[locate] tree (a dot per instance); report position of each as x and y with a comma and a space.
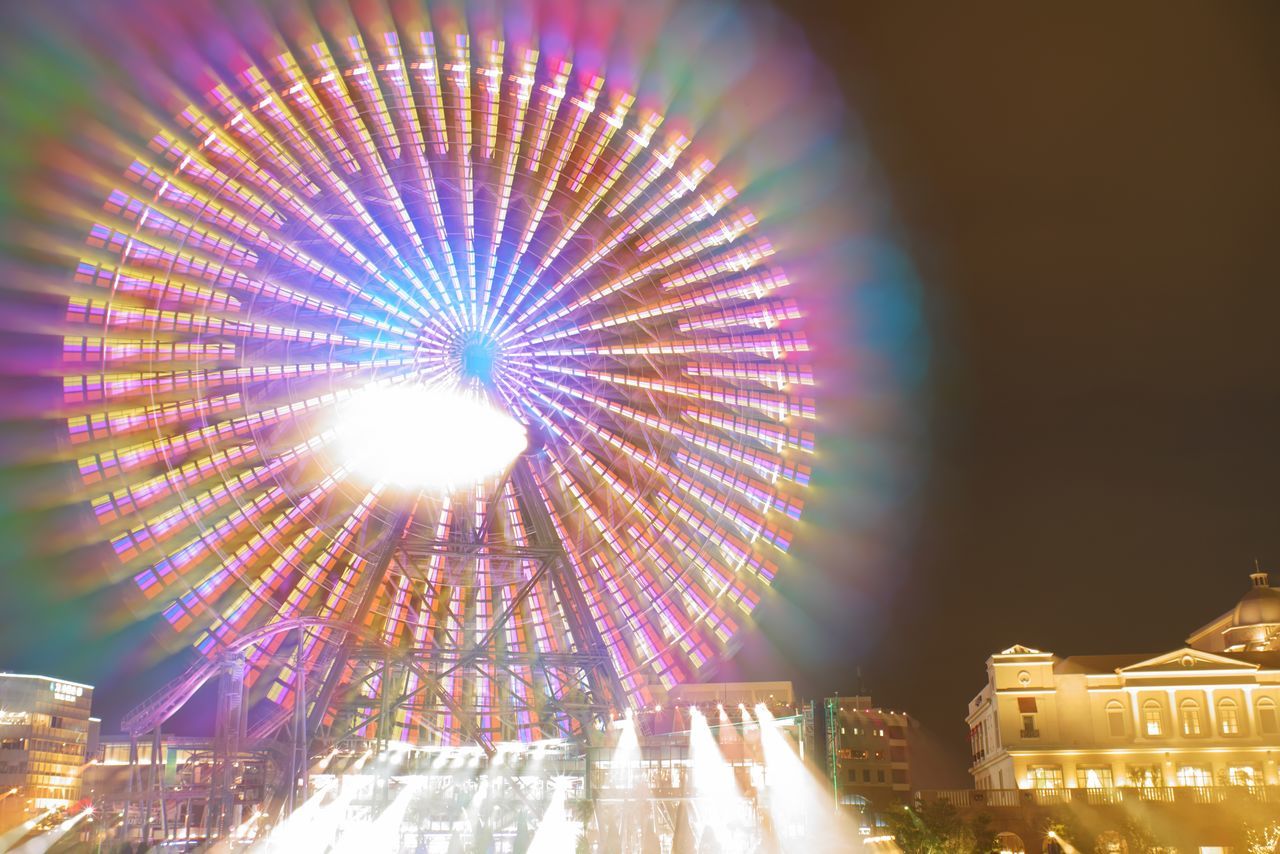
938, 828
1265, 839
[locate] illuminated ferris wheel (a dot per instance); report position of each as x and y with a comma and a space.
440, 348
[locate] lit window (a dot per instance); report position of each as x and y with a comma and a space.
1029, 727
1228, 718
1152, 718
1242, 775
1094, 777
1194, 775
1115, 719
1145, 775
1190, 710
1046, 776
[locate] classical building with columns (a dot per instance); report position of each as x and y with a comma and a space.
1204, 715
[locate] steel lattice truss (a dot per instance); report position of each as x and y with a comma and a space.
373, 212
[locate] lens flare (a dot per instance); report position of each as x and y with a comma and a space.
420, 436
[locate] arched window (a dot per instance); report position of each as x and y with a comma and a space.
1008, 842
1189, 714
1115, 719
1152, 718
1268, 721
1228, 717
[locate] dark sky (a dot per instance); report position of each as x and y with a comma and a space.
1089, 194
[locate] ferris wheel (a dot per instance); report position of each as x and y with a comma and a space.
454, 344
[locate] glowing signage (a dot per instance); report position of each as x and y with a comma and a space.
66, 691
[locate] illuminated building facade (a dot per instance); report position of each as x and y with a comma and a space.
1207, 714
1178, 749
867, 751
866, 755
44, 735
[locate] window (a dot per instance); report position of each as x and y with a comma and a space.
1152, 718
1094, 777
1144, 775
899, 775
879, 776
853, 776
1010, 842
1267, 719
1045, 776
1029, 727
858, 754
1242, 775
1189, 712
1228, 718
866, 775
1115, 719
897, 732
897, 754
1194, 775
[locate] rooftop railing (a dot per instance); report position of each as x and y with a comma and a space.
1012, 798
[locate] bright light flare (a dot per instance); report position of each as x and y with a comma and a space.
556, 831
625, 770
804, 815
11, 837
720, 806
413, 435
47, 840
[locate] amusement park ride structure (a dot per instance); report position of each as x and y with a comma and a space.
331, 714
385, 208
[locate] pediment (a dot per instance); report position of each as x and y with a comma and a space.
1187, 660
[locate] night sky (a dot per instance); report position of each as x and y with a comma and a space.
1088, 196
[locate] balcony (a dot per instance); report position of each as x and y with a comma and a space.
1013, 798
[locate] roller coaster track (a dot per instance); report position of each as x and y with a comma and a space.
163, 704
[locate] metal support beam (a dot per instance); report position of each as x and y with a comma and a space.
603, 678
365, 599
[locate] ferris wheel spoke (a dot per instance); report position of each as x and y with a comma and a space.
120, 388
658, 426
777, 406
259, 600
522, 94
750, 522
684, 184
232, 159
548, 170
404, 112
206, 594
757, 344
615, 636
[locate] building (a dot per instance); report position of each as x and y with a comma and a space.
1189, 738
709, 695
1201, 715
44, 735
866, 756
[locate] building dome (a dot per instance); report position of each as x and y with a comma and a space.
1260, 606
